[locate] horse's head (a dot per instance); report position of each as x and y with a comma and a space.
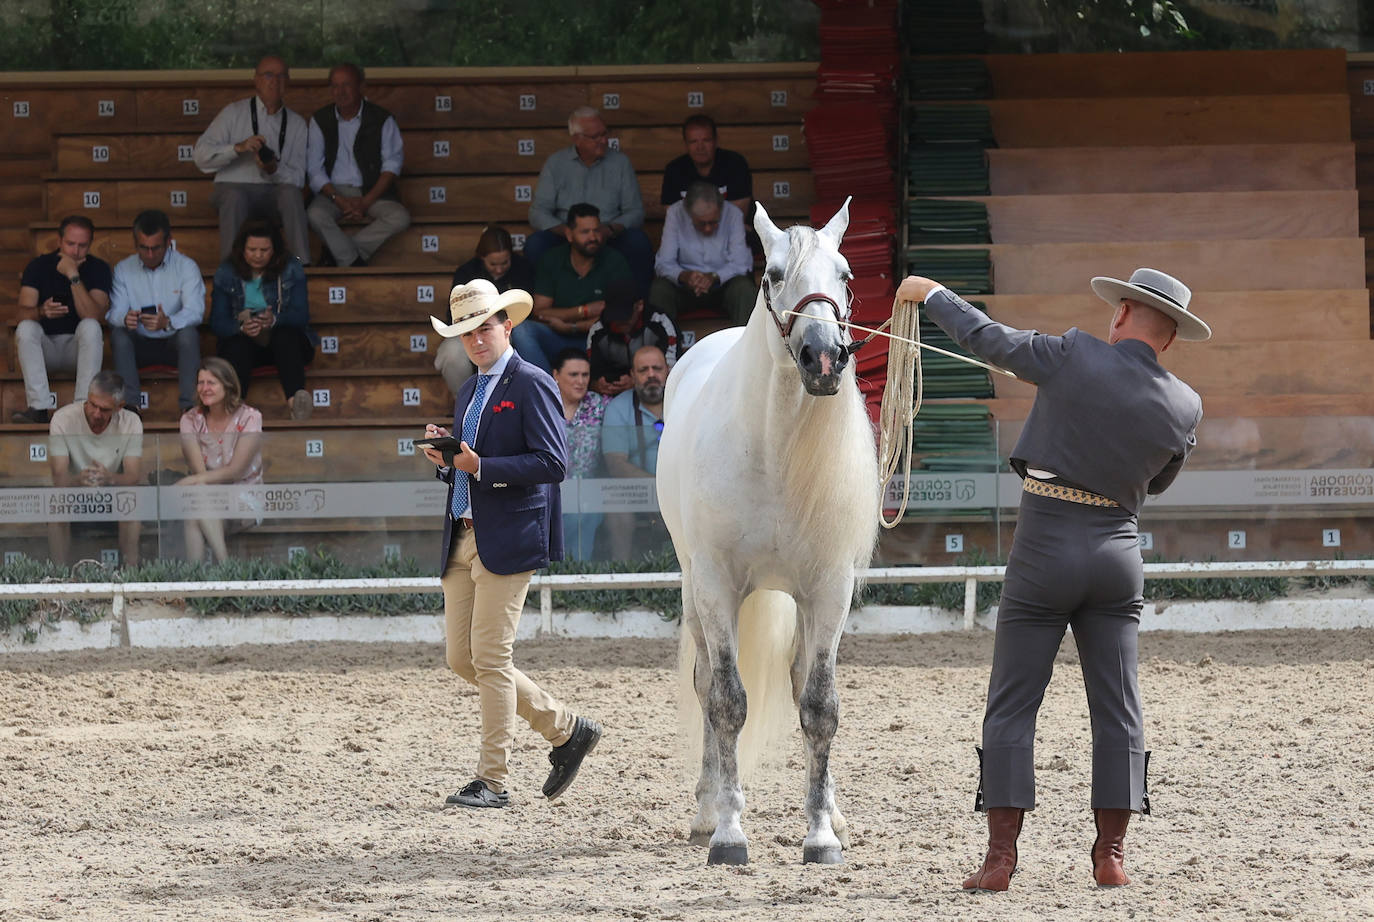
806, 273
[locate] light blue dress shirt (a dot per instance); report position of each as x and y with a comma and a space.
176, 284
725, 252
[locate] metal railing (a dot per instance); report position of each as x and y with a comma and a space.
546, 584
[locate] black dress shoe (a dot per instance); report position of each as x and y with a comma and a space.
567, 759
477, 794
358, 263
326, 258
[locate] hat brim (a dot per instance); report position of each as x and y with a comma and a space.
1191, 328
516, 303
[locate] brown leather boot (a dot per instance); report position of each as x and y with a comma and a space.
1109, 851
1004, 826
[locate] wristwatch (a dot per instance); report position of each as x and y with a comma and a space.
74, 279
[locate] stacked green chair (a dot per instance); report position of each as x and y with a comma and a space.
948, 78
963, 271
964, 123
946, 221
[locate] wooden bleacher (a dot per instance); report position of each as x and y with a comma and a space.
111, 145
1234, 171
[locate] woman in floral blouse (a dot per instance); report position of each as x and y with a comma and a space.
582, 413
221, 438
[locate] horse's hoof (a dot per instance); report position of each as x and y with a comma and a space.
700, 837
822, 854
728, 854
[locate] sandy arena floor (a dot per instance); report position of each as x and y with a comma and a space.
307, 782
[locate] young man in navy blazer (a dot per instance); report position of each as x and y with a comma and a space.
503, 522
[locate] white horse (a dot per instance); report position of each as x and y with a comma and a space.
768, 483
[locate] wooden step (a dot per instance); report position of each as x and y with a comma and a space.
1163, 120
1171, 216
1234, 316
449, 198
1268, 369
446, 152
351, 394
1167, 73
1203, 265
1190, 168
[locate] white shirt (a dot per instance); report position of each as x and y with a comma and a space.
214, 150
496, 371
725, 252
346, 172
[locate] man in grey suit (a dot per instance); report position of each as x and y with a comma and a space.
1108, 426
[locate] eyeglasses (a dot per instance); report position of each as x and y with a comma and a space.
599, 136
272, 74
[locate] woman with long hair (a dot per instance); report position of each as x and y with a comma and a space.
261, 313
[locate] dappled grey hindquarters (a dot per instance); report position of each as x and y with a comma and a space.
307, 782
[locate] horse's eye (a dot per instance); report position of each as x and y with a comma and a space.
773, 276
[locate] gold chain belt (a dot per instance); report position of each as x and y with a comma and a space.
1069, 494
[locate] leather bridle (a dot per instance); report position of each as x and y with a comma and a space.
785, 326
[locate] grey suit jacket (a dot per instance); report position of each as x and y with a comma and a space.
1108, 418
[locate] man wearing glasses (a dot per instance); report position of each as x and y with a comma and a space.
629, 439
256, 148
590, 171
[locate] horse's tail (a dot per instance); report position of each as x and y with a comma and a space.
767, 630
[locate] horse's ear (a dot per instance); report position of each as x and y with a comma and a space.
768, 232
836, 226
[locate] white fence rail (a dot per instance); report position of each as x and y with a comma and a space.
120, 593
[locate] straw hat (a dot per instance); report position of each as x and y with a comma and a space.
470, 305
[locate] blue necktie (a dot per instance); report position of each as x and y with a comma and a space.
460, 478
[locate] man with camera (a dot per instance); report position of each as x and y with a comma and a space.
62, 297
256, 149
156, 306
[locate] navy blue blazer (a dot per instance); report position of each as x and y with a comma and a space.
517, 505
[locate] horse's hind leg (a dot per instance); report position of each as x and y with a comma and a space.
708, 784
819, 708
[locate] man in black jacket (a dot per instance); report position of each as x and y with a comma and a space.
621, 331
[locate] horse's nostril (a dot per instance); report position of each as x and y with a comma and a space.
807, 357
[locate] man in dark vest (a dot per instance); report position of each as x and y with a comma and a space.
354, 156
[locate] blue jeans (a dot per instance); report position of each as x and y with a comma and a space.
536, 342
579, 534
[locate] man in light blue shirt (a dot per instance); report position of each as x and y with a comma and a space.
589, 171
354, 155
703, 261
157, 302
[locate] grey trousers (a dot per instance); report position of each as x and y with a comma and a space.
451, 360
236, 202
389, 218
735, 299
79, 352
1074, 566
132, 351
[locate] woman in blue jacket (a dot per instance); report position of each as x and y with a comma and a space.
261, 313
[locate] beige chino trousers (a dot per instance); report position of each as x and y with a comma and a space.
481, 614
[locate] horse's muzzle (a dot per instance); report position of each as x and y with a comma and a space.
822, 362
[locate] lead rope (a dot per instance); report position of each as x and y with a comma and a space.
901, 401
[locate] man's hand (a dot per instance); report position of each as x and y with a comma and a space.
914, 288
155, 322
611, 388
351, 206
594, 309
54, 308
96, 475
68, 266
562, 327
131, 320
604, 233
466, 460
562, 230
434, 432
247, 145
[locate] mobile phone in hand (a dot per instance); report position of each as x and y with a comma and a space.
148, 309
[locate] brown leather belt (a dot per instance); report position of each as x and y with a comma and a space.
1068, 494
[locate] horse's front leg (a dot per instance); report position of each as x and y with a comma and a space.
717, 606
819, 709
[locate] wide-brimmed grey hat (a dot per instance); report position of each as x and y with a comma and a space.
470, 305
1162, 292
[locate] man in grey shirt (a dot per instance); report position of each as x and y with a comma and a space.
256, 149
1109, 425
589, 171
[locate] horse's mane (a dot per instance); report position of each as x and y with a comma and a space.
830, 464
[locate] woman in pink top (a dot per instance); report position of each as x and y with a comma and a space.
221, 437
